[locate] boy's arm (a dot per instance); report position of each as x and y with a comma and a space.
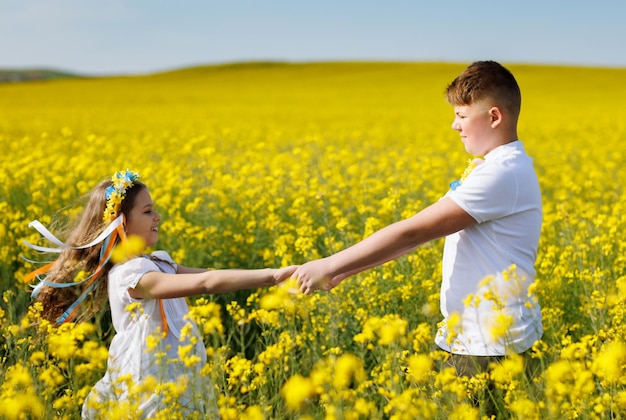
440, 219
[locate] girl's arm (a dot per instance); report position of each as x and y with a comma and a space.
158, 285
181, 269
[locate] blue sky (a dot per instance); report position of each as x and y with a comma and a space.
145, 36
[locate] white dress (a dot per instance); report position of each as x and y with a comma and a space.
135, 353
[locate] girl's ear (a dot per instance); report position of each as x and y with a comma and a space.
496, 116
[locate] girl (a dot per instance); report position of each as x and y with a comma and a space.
154, 342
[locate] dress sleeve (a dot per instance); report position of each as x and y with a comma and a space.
126, 276
164, 256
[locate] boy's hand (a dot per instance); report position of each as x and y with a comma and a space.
314, 275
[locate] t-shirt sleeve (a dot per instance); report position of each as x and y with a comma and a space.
490, 192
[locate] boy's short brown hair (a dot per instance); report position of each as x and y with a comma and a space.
486, 80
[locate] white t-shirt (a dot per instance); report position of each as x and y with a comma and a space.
488, 267
131, 354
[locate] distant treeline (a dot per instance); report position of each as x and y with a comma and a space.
26, 75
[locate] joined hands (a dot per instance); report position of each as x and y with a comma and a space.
315, 275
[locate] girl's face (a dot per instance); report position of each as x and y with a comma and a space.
143, 220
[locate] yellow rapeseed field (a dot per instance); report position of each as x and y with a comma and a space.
269, 164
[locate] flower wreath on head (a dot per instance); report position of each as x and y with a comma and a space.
110, 237
116, 192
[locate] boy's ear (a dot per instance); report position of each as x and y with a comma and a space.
496, 116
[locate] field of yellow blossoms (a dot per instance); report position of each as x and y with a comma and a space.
269, 164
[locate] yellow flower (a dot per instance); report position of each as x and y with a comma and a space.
471, 165
369, 329
388, 329
52, 376
620, 399
453, 326
62, 345
65, 401
276, 300
464, 412
239, 371
508, 369
18, 399
391, 330
254, 412
126, 250
499, 328
420, 366
348, 371
296, 391
236, 312
610, 363
80, 276
408, 405
207, 315
524, 408
37, 357
187, 357
422, 336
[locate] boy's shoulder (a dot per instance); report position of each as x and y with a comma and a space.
506, 166
509, 156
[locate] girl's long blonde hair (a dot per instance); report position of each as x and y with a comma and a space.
72, 264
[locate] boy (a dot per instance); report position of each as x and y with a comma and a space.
491, 221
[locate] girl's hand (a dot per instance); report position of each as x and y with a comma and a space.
282, 274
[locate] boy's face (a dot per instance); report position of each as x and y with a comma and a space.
475, 125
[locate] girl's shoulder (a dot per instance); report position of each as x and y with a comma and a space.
144, 263
161, 256
128, 273
163, 260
